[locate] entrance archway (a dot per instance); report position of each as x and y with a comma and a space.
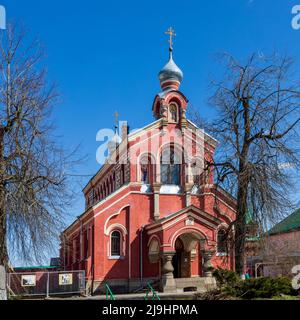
188, 247
177, 258
182, 259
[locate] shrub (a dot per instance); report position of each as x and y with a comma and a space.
225, 277
261, 288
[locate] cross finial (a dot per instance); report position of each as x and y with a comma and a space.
172, 34
116, 116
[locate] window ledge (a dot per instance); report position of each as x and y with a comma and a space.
115, 257
222, 254
146, 188
170, 189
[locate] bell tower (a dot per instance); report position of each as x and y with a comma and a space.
170, 104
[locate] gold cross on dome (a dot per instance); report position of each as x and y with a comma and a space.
171, 33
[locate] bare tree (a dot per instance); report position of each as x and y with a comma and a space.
258, 115
34, 190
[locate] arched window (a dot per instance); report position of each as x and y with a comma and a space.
101, 193
122, 174
173, 113
115, 246
170, 167
146, 169
221, 241
195, 173
154, 251
106, 189
114, 181
144, 173
91, 197
197, 168
207, 175
109, 185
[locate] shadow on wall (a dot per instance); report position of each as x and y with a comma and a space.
124, 273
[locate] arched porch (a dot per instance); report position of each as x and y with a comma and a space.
187, 258
190, 248
185, 245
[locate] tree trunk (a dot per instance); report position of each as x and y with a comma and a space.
3, 227
242, 192
240, 228
3, 246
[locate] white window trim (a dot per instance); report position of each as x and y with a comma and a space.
116, 257
170, 189
222, 254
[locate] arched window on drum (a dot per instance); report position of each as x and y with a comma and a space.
170, 167
173, 113
146, 169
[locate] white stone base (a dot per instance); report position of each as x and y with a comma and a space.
3, 295
118, 286
203, 284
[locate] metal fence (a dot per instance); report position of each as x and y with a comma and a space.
46, 284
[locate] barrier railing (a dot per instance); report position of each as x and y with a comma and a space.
151, 290
46, 284
109, 293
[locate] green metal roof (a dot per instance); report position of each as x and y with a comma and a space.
35, 267
291, 223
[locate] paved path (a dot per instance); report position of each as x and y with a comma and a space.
137, 296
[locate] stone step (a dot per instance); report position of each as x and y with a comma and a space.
200, 284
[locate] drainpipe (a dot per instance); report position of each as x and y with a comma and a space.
141, 254
81, 242
129, 251
65, 252
93, 256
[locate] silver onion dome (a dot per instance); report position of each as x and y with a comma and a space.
170, 72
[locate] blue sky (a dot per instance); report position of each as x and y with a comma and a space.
105, 55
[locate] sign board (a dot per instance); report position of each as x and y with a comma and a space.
28, 280
65, 279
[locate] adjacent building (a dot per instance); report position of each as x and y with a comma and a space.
280, 249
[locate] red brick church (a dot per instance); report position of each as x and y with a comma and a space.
152, 213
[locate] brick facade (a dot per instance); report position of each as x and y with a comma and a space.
129, 200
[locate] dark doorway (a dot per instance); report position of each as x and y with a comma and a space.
177, 258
